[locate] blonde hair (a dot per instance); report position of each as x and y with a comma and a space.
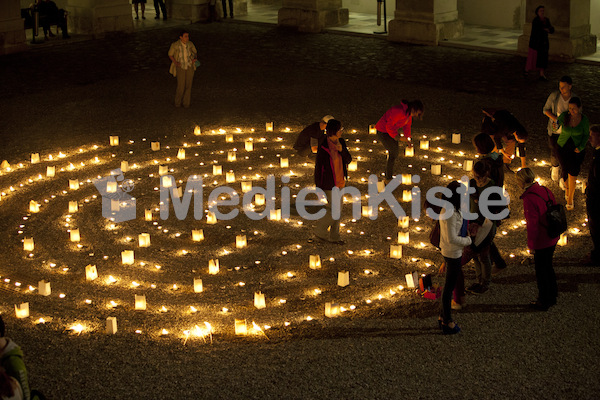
526, 176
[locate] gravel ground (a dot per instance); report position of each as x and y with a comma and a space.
66, 97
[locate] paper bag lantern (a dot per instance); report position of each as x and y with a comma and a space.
114, 140
111, 325
269, 126
353, 166
343, 278
28, 244
367, 211
406, 196
124, 166
166, 181
91, 272
240, 327
198, 287
50, 171
217, 170
412, 280
240, 241
562, 241
332, 310
436, 169
22, 310
163, 170
155, 146
246, 187
197, 235
275, 215
314, 261
111, 187
372, 130
73, 206
35, 158
44, 288
148, 215
409, 151
259, 300
229, 138
424, 144
230, 177
380, 186
259, 199
403, 237
468, 165
211, 218
249, 145
213, 267
75, 236
73, 184
34, 206
181, 154
284, 162
127, 257
396, 251
403, 222
140, 302
197, 130
115, 205
144, 239
406, 179
456, 138
231, 156
178, 193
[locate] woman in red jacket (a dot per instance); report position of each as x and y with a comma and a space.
395, 125
538, 241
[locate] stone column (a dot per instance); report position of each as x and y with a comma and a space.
312, 15
189, 10
12, 28
97, 17
425, 21
571, 21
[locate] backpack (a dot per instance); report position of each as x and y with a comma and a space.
556, 217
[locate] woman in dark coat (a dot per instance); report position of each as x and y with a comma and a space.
537, 57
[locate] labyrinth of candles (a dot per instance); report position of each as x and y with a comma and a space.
76, 269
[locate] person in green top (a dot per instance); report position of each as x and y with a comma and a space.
571, 146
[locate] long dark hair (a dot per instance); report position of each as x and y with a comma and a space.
577, 102
454, 199
415, 105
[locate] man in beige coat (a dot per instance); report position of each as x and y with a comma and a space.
183, 57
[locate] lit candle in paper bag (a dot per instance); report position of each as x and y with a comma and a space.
240, 241
403, 237
380, 186
403, 222
230, 177
406, 179
367, 211
197, 131
22, 310
198, 287
211, 218
468, 165
28, 244
34, 207
91, 272
396, 251
231, 156
73, 184
343, 278
332, 310
269, 126
181, 154
50, 171
275, 215
372, 130
353, 166
73, 206
249, 145
314, 261
114, 140
148, 215
155, 146
246, 187
259, 199
424, 144
44, 288
456, 138
124, 166
111, 187
217, 170
259, 300
144, 239
75, 237
166, 181
163, 170
35, 158
213, 267
140, 302
197, 235
409, 151
284, 162
436, 169
406, 196
127, 257
562, 241
412, 280
240, 327
111, 325
229, 138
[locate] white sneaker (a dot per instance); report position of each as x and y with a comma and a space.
555, 173
561, 183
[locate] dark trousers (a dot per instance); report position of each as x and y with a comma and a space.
161, 4
593, 212
546, 278
453, 274
391, 145
496, 256
225, 8
59, 19
553, 145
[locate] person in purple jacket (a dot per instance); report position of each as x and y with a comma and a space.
395, 125
331, 170
534, 207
